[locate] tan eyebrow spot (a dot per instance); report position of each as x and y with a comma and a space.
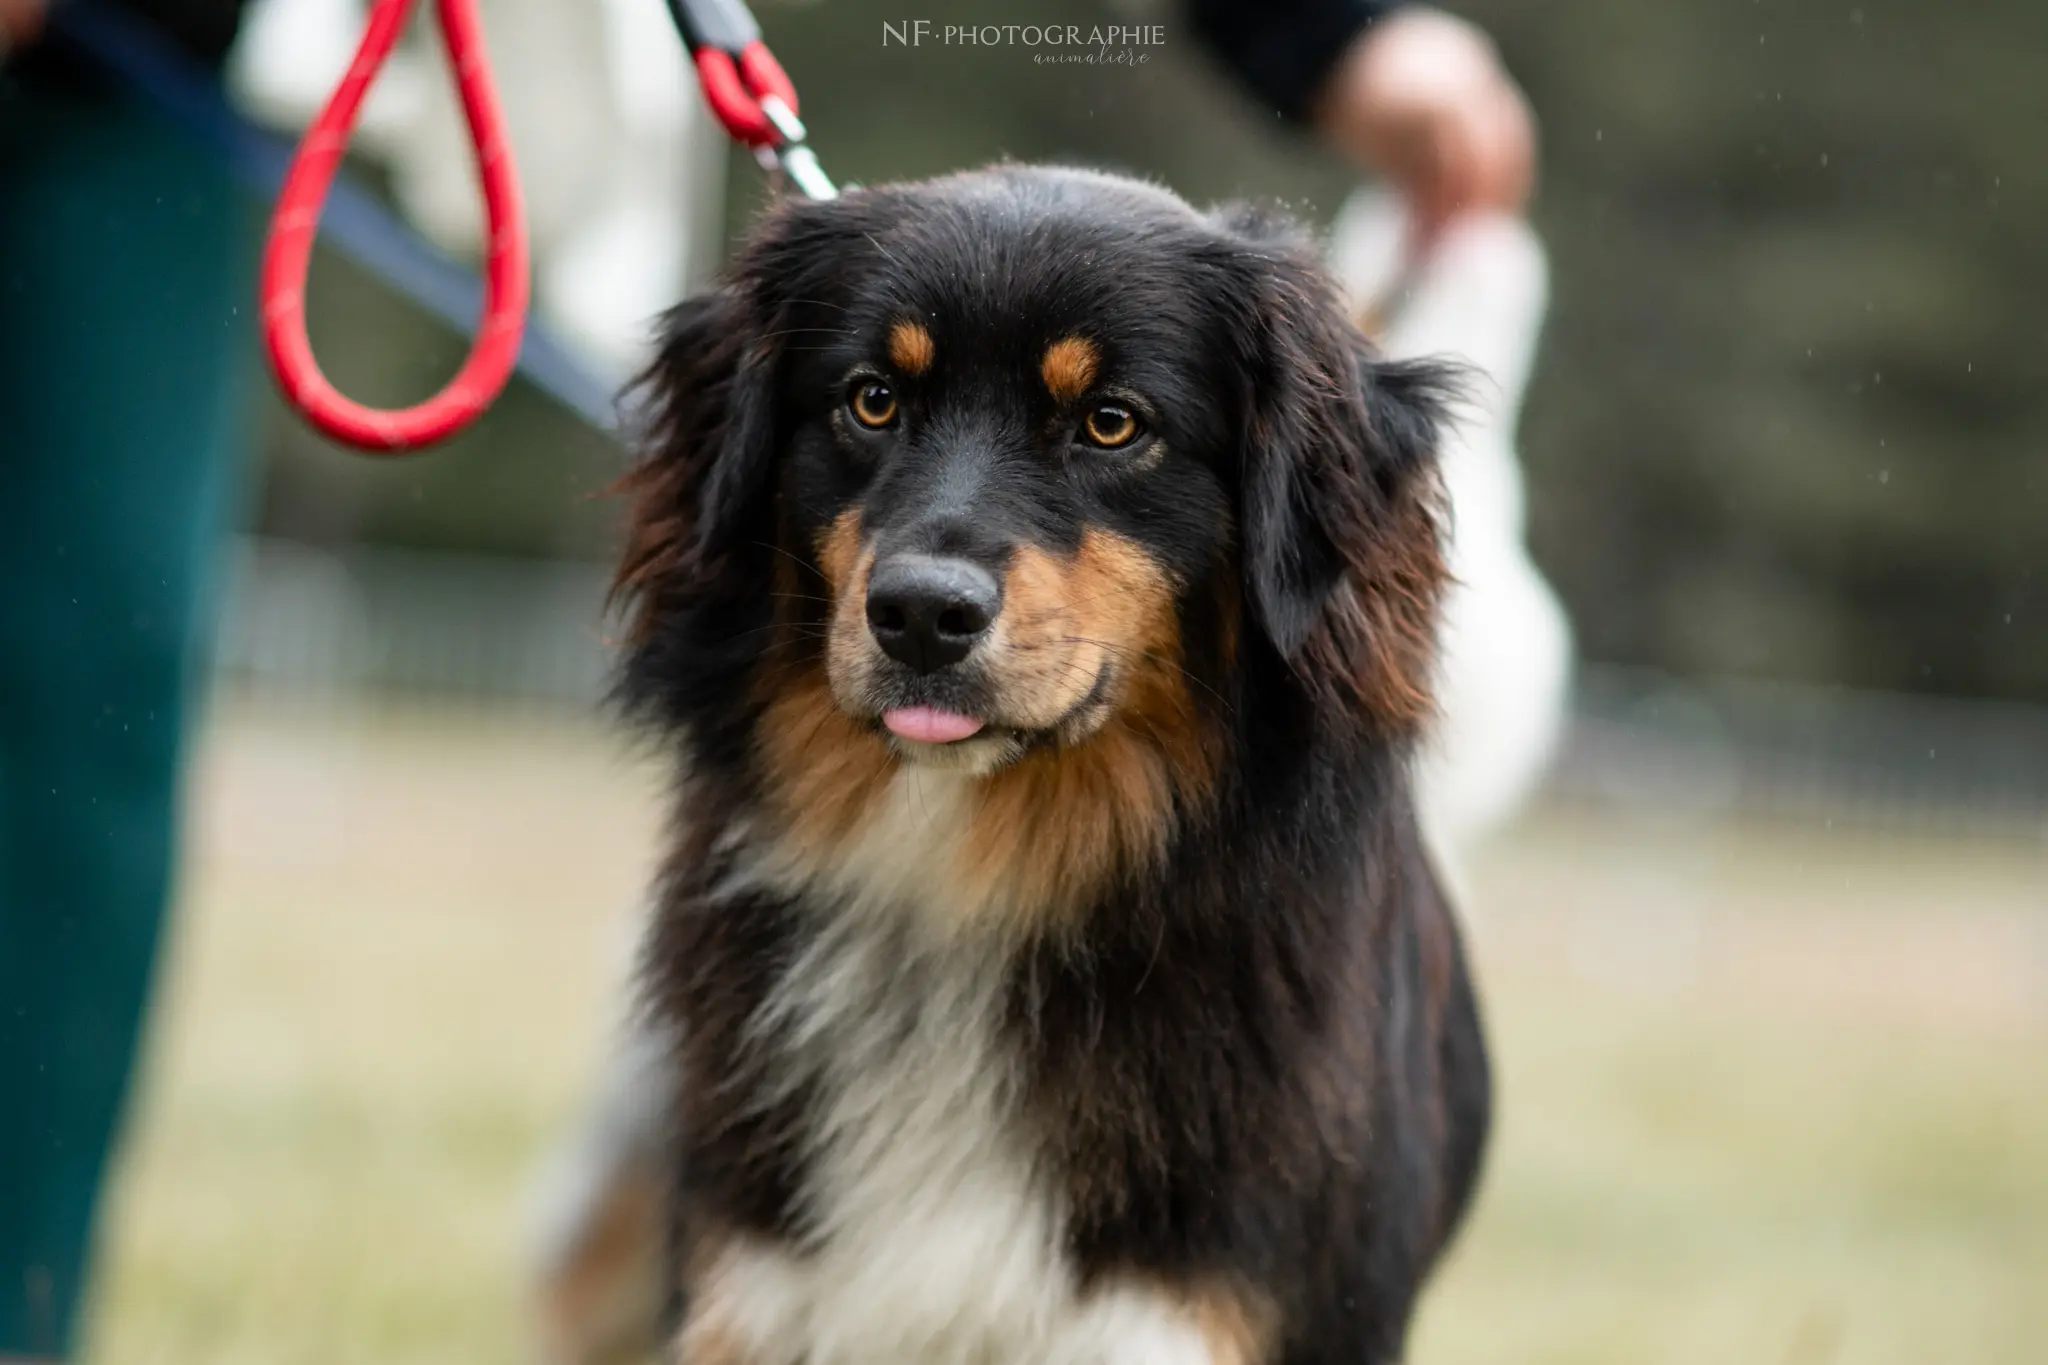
911, 348
1069, 367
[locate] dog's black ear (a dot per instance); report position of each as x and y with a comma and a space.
701, 498
1340, 502
708, 443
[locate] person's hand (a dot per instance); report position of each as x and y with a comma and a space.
21, 21
1422, 99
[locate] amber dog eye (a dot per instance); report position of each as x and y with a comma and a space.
873, 404
1110, 426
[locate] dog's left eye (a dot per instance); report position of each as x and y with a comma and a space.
1111, 426
873, 404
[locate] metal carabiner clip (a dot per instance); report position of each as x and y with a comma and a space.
748, 91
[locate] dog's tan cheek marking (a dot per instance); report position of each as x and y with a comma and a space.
1053, 828
845, 562
1126, 601
1122, 596
1069, 368
1042, 664
1132, 607
911, 348
1065, 619
821, 771
839, 550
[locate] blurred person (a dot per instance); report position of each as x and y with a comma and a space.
1413, 95
126, 267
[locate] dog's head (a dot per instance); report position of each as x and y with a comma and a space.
1030, 469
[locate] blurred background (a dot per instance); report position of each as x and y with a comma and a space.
1766, 958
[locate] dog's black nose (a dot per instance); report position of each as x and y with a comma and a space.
927, 612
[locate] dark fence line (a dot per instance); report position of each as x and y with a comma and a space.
1873, 760
321, 628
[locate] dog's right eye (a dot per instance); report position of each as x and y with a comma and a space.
1111, 427
873, 404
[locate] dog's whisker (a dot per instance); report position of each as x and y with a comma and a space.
809, 331
797, 560
1154, 656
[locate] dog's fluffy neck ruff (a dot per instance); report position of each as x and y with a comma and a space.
932, 1231
898, 867
1014, 854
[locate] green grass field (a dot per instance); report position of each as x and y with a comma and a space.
1767, 1096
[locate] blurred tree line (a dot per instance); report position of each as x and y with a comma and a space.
1792, 405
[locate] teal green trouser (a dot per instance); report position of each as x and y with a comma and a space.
125, 269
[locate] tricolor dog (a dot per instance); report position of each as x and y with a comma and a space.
1035, 582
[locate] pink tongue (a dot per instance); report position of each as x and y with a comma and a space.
929, 726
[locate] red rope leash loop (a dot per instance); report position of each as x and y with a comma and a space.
290, 249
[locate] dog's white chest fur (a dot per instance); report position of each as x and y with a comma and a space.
937, 1233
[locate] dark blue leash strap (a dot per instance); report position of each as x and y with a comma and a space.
364, 230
